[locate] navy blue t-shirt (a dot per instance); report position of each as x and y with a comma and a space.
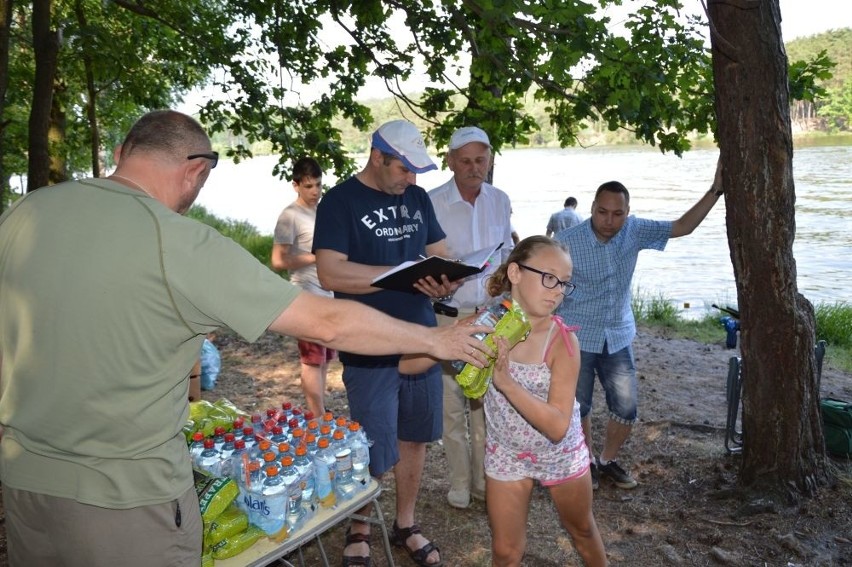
374, 228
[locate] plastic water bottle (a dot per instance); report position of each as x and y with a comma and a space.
249, 437
514, 326
251, 479
286, 409
324, 469
263, 446
311, 444
360, 454
257, 423
488, 316
232, 467
344, 483
295, 511
218, 437
325, 431
228, 446
297, 436
196, 445
305, 468
285, 449
209, 460
271, 516
278, 436
313, 427
271, 419
299, 417
342, 423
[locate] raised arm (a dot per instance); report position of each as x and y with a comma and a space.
353, 327
693, 217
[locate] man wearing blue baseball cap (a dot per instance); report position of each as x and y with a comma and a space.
366, 225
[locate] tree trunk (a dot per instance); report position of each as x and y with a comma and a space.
91, 92
46, 49
5, 26
56, 134
782, 431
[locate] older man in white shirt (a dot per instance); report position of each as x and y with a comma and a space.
474, 215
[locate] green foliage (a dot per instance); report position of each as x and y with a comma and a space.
823, 66
805, 77
837, 110
656, 309
533, 72
833, 324
241, 232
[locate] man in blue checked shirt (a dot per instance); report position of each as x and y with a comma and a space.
604, 249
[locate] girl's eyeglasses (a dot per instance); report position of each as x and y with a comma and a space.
550, 281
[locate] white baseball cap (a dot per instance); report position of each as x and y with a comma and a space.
466, 135
402, 139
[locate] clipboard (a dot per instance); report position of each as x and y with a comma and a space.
404, 276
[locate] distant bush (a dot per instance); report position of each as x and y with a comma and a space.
241, 232
657, 309
833, 325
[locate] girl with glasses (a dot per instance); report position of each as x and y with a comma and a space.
533, 431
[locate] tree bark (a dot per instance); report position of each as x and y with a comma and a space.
782, 430
46, 49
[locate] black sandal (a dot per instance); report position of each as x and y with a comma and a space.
420, 556
355, 560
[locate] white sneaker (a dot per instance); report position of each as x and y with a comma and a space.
459, 498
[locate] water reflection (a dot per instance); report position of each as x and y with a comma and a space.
695, 269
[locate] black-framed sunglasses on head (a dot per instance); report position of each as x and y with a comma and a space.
212, 156
550, 281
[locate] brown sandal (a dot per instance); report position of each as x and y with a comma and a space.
355, 560
420, 556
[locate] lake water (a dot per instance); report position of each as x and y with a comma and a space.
694, 270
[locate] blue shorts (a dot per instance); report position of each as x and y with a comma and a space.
617, 374
391, 406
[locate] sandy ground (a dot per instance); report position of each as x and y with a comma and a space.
684, 511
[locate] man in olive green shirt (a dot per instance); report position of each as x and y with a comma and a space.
106, 294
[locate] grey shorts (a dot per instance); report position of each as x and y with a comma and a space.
47, 530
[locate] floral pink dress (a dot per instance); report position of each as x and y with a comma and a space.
514, 449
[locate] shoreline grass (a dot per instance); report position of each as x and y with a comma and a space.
833, 325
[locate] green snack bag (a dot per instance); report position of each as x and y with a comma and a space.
207, 559
199, 410
227, 524
480, 383
214, 495
237, 543
514, 327
230, 408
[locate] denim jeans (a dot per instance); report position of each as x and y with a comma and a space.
617, 374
